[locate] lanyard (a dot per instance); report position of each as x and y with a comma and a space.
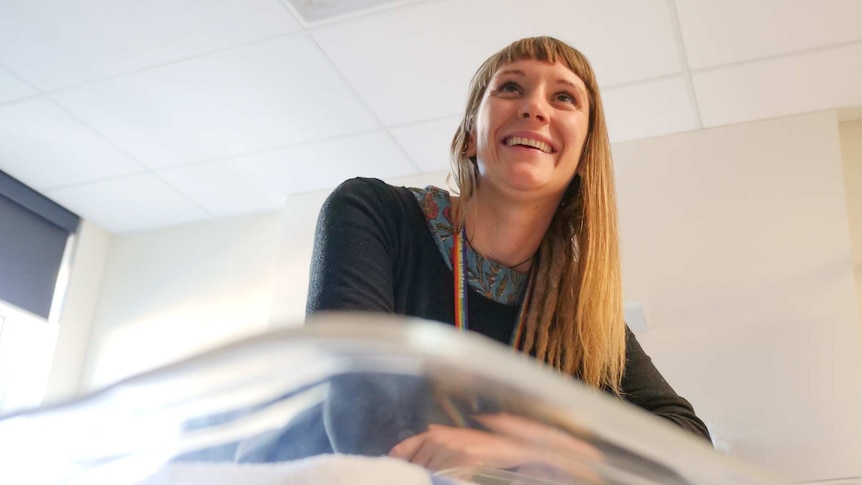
459, 269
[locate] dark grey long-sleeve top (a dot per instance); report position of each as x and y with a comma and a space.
374, 252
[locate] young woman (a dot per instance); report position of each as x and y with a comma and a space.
526, 254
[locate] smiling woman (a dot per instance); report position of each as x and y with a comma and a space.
530, 131
527, 253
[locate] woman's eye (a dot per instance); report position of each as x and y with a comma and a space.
566, 98
509, 87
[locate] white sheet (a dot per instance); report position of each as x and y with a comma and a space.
323, 469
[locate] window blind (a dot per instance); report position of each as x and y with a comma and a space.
34, 231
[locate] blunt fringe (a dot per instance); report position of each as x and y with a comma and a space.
574, 317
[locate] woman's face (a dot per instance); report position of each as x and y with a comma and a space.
530, 129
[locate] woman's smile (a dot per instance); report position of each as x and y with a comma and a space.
529, 141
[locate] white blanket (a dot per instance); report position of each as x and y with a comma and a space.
323, 469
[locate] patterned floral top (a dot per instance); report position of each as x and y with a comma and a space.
493, 280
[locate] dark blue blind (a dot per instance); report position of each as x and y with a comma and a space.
33, 235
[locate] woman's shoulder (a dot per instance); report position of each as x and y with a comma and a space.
374, 200
363, 185
370, 187
372, 190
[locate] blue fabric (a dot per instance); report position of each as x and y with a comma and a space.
490, 279
435, 480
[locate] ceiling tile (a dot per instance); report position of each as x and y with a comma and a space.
255, 98
129, 204
437, 47
41, 145
318, 166
11, 87
324, 12
821, 80
58, 44
428, 143
729, 31
649, 109
222, 188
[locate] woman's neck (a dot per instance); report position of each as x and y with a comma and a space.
505, 231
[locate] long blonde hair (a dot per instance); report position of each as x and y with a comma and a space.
574, 317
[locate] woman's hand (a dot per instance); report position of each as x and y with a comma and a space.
516, 442
540, 435
443, 447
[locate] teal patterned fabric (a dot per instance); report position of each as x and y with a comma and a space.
494, 281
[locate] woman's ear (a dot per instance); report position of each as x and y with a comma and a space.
470, 150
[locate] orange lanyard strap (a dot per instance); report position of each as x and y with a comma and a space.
459, 269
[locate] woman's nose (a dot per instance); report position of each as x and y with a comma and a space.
534, 107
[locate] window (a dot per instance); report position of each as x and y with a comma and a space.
35, 237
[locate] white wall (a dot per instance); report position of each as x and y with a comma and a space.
736, 240
851, 155
170, 293
78, 310
297, 240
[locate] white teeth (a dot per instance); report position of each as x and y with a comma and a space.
519, 140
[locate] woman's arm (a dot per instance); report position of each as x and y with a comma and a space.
645, 387
354, 250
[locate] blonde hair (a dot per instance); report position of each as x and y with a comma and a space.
574, 316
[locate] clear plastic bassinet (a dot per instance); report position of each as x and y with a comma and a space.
326, 402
